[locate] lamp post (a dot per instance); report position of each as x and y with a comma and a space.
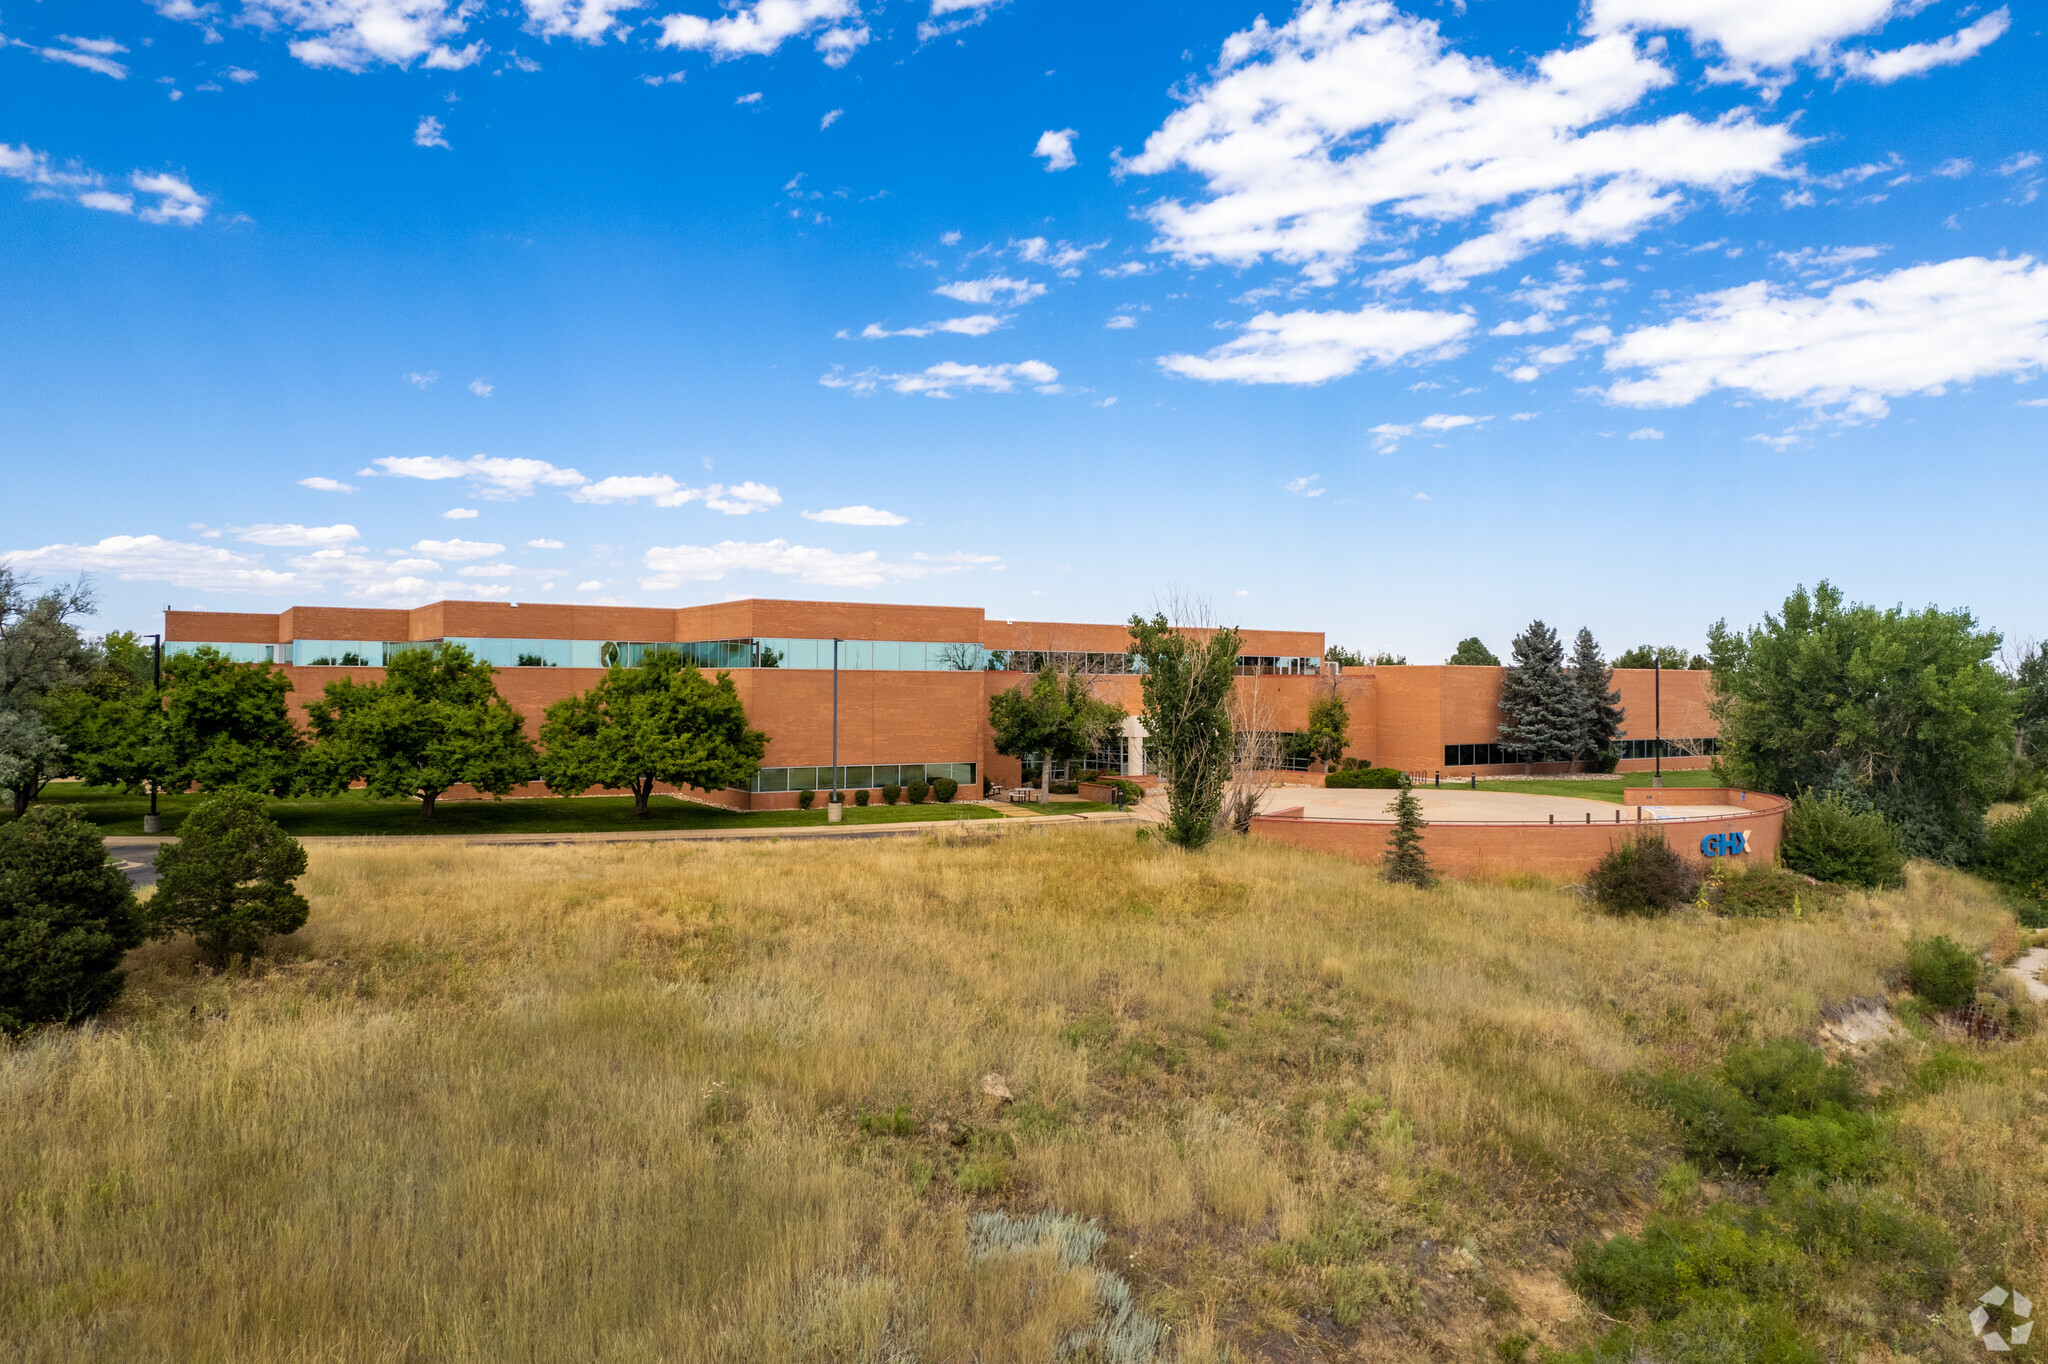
152, 823
832, 811
1657, 681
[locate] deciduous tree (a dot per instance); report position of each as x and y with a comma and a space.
41, 652
1471, 653
229, 725
661, 721
1189, 671
1329, 727
434, 721
1056, 718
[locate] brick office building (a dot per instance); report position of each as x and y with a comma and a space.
913, 681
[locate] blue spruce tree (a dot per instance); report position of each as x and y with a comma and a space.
1545, 711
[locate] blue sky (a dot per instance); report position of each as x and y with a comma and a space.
1399, 322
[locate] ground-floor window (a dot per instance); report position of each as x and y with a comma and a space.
855, 778
1489, 755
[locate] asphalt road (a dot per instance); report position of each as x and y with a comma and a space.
138, 863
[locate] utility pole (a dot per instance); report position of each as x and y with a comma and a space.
152, 823
1657, 677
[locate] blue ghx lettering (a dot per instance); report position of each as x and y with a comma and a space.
1725, 845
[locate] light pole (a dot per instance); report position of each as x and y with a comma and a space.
832, 812
1657, 681
152, 823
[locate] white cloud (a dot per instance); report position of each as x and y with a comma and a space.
482, 389
1387, 436
420, 380
991, 288
354, 34
860, 514
759, 29
975, 324
326, 485
1062, 256
1354, 122
1917, 59
458, 550
177, 202
1913, 331
2034, 402
831, 117
1955, 168
664, 491
741, 499
497, 478
974, 11
459, 514
1524, 416
751, 98
1311, 347
428, 133
939, 381
1304, 486
1057, 147
1646, 433
240, 75
1822, 260
151, 558
486, 570
108, 202
544, 544
593, 585
675, 565
294, 535
2024, 161
1121, 322
586, 21
1756, 35
90, 54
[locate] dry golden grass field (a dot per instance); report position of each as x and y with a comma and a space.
726, 1103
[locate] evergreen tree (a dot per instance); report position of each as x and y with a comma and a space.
1472, 654
435, 720
67, 915
230, 879
660, 721
1545, 713
1602, 704
1405, 863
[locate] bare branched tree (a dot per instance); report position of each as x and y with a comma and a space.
1255, 761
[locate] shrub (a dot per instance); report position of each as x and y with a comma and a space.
1065, 788
891, 794
1941, 972
1778, 1108
1762, 892
860, 797
1132, 791
2016, 856
228, 880
66, 916
915, 792
804, 798
944, 789
1642, 876
1827, 837
1364, 779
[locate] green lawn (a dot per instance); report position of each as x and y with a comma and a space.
1066, 807
1603, 788
115, 813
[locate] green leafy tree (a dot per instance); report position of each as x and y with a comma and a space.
1546, 712
229, 724
114, 726
1383, 659
662, 721
67, 915
434, 721
1405, 863
1667, 656
230, 879
1188, 680
2028, 676
41, 654
1907, 701
1343, 657
1600, 704
1472, 654
1329, 729
1056, 718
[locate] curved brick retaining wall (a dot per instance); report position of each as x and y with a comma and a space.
1563, 850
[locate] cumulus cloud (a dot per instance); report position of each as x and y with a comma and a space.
427, 133
664, 491
991, 288
1917, 59
326, 485
860, 514
544, 544
675, 565
1387, 436
586, 21
1121, 322
176, 203
1646, 433
1913, 331
151, 558
1756, 36
497, 478
353, 35
457, 550
759, 29
1311, 347
940, 380
460, 514
1057, 147
294, 535
482, 389
964, 14
1354, 123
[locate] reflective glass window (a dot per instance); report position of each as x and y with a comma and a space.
860, 776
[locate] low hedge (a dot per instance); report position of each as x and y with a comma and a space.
1365, 778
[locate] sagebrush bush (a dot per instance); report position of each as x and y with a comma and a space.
1642, 876
2016, 856
1942, 972
1827, 837
67, 915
